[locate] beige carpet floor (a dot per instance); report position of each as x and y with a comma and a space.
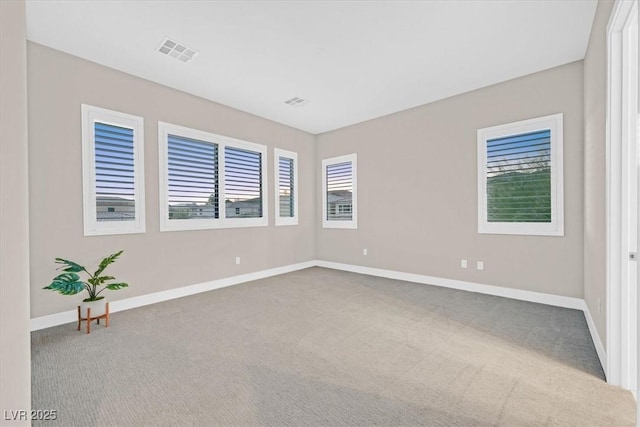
320, 347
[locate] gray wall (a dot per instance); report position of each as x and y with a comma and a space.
15, 344
418, 189
595, 74
153, 261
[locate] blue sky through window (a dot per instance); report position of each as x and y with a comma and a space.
518, 152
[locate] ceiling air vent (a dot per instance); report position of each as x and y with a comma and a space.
296, 102
177, 50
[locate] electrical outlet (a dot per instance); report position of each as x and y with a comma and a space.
237, 260
365, 252
463, 263
480, 265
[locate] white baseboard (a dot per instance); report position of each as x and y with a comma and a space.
54, 319
518, 294
142, 300
556, 300
595, 337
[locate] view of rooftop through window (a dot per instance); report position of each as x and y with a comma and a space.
340, 191
243, 183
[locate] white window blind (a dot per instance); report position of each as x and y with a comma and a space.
285, 187
243, 183
339, 192
520, 177
192, 178
113, 172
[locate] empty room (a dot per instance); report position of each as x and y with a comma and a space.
322, 213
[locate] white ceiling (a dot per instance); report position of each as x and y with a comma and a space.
351, 60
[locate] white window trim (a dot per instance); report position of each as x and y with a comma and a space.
353, 224
93, 227
556, 226
166, 224
280, 220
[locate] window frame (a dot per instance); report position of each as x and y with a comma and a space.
92, 227
353, 223
277, 154
554, 123
166, 224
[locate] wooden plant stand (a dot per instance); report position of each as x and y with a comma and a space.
88, 319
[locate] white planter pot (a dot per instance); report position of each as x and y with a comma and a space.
98, 308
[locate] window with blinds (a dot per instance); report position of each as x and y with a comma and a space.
339, 192
113, 175
243, 183
285, 187
519, 178
286, 190
192, 169
209, 181
520, 181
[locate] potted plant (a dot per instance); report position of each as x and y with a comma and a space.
69, 283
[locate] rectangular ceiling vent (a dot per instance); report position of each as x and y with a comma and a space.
296, 102
177, 50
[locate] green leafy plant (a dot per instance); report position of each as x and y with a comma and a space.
69, 283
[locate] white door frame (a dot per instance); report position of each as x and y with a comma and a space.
622, 143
